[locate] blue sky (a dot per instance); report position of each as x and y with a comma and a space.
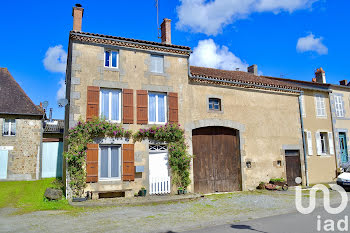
223, 34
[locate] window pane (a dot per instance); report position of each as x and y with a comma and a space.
104, 162
6, 127
153, 64
161, 108
115, 105
106, 58
13, 127
160, 64
105, 104
152, 107
115, 166
114, 59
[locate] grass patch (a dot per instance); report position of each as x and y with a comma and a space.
28, 196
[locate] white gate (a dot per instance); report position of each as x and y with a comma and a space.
159, 179
52, 159
3, 163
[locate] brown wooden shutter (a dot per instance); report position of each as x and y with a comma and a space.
173, 108
93, 100
128, 162
128, 106
142, 107
92, 163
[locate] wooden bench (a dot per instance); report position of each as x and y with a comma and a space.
110, 193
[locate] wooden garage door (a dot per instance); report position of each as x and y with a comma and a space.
216, 165
293, 168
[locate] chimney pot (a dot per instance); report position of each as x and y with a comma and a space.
320, 75
165, 29
50, 116
77, 14
253, 69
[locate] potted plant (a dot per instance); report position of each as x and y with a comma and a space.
180, 191
142, 192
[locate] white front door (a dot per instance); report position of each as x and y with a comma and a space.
3, 164
159, 170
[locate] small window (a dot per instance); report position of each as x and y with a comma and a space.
214, 104
110, 162
320, 106
324, 142
157, 64
339, 108
110, 104
111, 59
157, 107
9, 127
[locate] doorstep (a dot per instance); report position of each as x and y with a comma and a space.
148, 200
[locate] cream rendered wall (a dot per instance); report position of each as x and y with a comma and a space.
269, 123
321, 168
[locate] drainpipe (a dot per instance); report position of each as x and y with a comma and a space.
336, 152
303, 136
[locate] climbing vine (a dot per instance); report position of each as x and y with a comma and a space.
85, 132
179, 158
78, 138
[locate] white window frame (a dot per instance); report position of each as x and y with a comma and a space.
320, 105
109, 163
159, 56
219, 103
325, 142
157, 113
110, 59
10, 128
110, 104
339, 107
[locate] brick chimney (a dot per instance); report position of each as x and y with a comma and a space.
253, 69
320, 75
77, 14
343, 82
165, 29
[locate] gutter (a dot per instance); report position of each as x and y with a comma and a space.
304, 142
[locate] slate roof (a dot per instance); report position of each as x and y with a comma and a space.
13, 100
54, 128
241, 77
128, 42
303, 84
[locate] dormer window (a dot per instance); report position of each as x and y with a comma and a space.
215, 104
111, 59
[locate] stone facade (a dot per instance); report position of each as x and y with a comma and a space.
24, 155
268, 121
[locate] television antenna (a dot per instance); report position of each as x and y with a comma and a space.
62, 103
158, 28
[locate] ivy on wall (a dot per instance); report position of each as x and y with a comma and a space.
85, 132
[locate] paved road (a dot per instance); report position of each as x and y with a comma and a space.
287, 223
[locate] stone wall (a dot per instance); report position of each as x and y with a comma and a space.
24, 159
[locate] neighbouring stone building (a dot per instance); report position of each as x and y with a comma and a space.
21, 132
242, 128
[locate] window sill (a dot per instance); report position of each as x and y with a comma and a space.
157, 123
321, 117
157, 74
108, 180
9, 135
215, 111
325, 155
111, 68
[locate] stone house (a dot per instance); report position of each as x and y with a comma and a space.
21, 131
340, 105
242, 128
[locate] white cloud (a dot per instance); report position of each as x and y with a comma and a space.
209, 54
210, 17
61, 93
55, 59
311, 43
